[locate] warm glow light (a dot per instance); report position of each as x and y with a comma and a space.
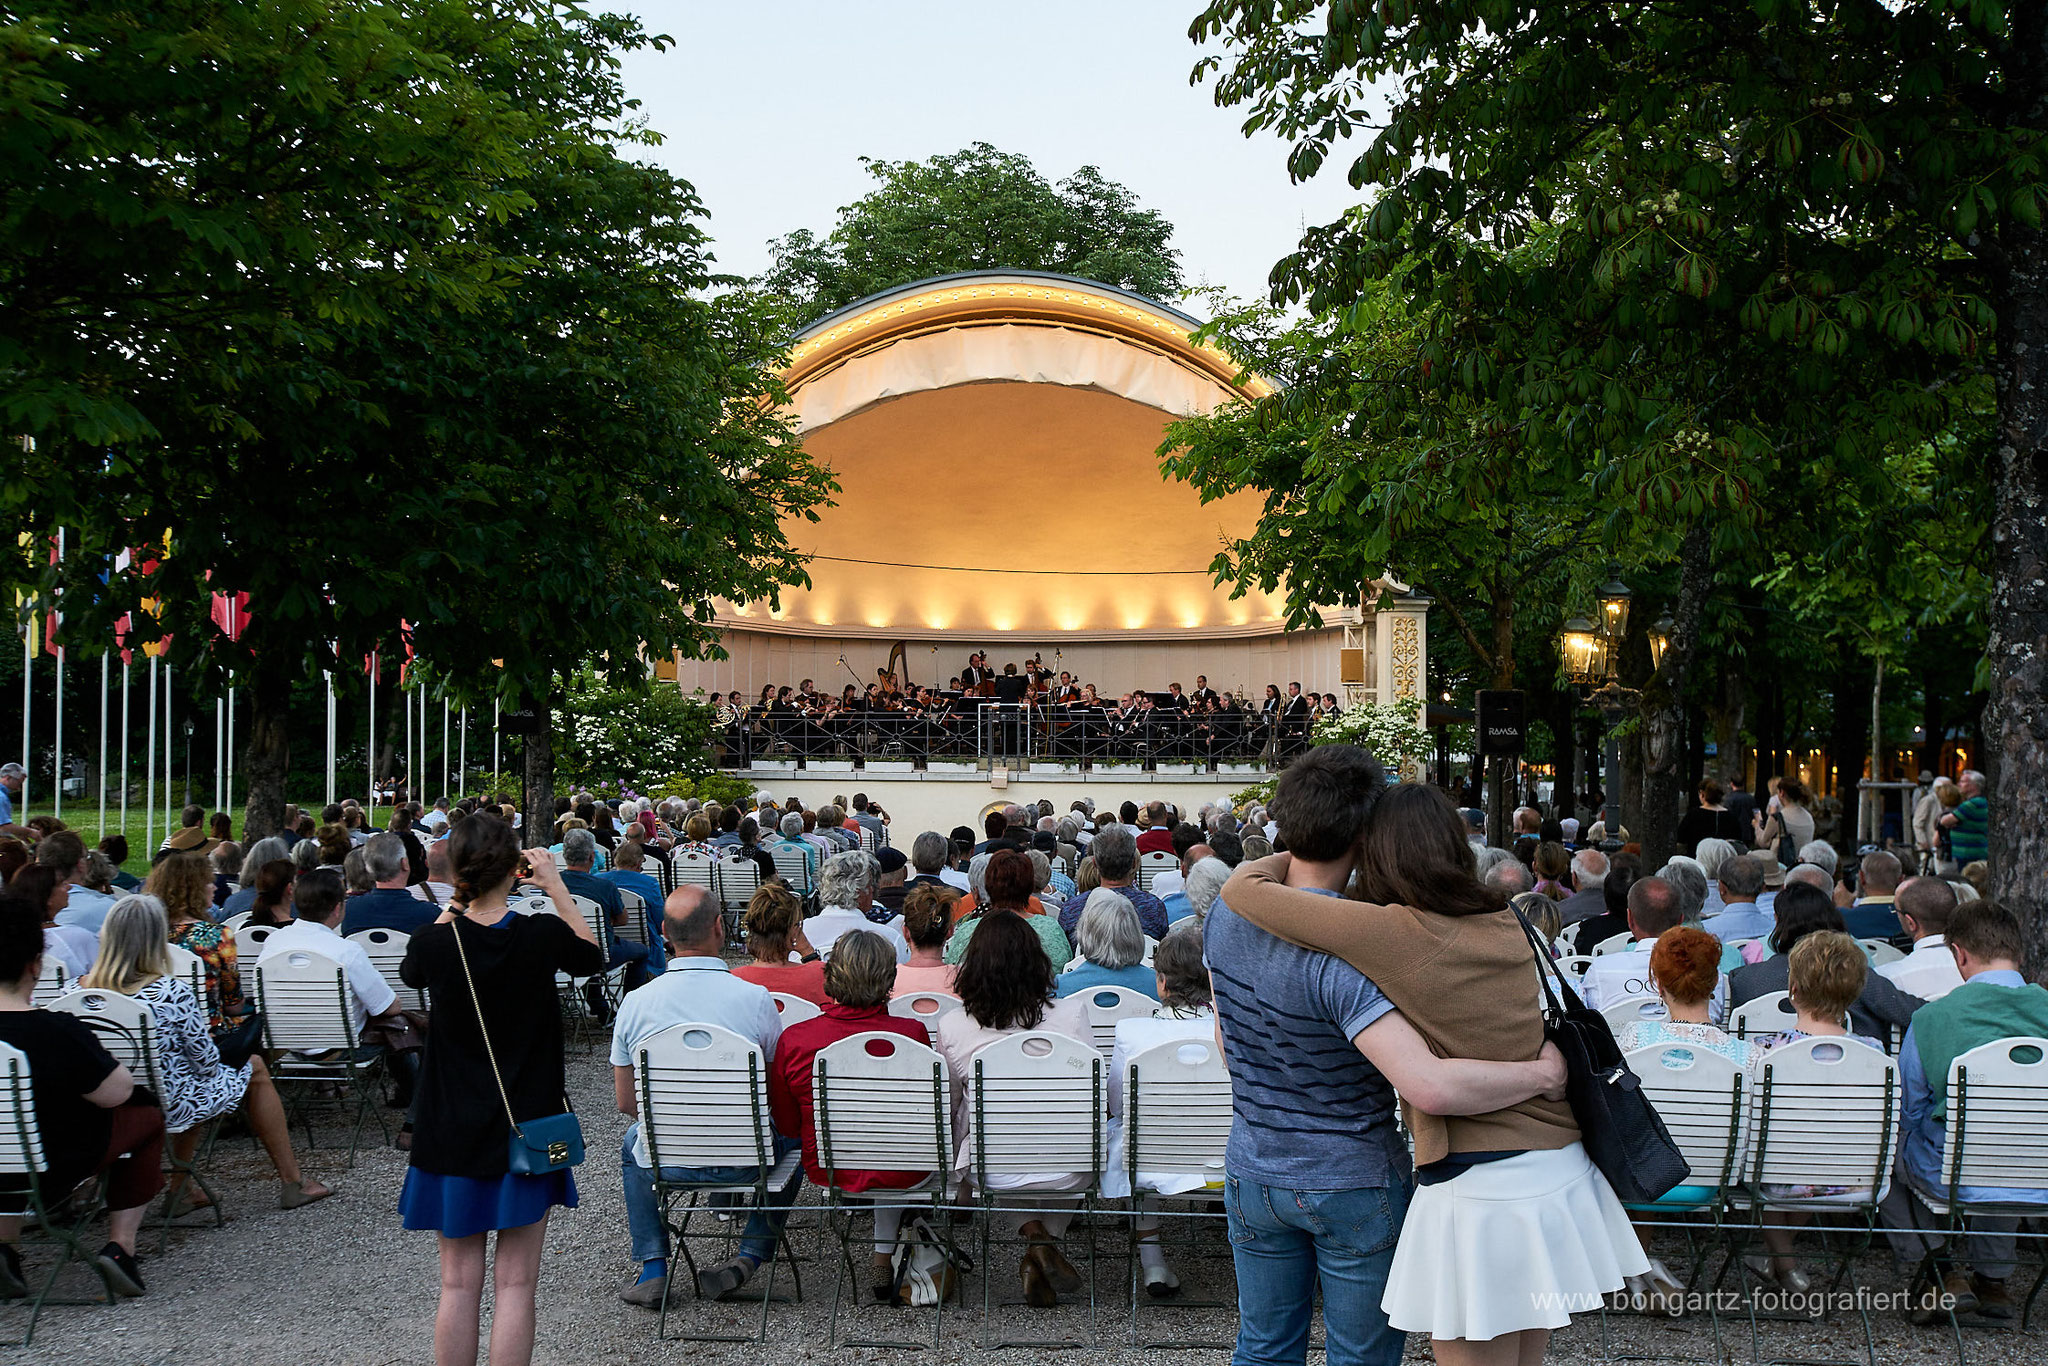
1580, 646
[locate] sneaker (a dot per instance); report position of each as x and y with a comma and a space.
716, 1282
1994, 1301
119, 1267
12, 1286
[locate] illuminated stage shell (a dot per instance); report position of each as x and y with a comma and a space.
995, 437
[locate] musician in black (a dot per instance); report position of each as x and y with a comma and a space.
976, 673
1203, 692
1175, 700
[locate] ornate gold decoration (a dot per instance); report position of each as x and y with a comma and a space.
1404, 655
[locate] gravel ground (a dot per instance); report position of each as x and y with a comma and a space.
341, 1282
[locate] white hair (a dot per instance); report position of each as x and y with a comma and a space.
1109, 933
845, 876
1712, 854
1204, 883
1821, 855
1813, 875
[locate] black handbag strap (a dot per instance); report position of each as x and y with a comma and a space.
1546, 968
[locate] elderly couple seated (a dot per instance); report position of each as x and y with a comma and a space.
1006, 984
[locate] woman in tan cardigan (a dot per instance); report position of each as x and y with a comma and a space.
1512, 1227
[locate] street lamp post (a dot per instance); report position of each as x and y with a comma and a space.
1591, 653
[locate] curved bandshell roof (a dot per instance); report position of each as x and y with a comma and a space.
995, 437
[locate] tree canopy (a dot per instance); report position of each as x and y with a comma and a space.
974, 209
1723, 274
368, 312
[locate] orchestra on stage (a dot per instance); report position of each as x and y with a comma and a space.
1020, 712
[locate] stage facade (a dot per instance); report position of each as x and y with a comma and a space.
995, 437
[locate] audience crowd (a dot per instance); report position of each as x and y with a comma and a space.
1400, 1131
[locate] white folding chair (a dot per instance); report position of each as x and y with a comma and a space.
234, 923
694, 869
127, 1030
189, 967
1880, 952
794, 1009
1151, 947
1176, 1121
881, 1103
306, 1005
793, 868
1036, 1103
22, 1158
869, 840
1824, 1121
612, 981
1613, 943
634, 927
386, 950
1997, 1136
1573, 967
738, 880
1107, 1005
1770, 1013
1629, 1009
1152, 864
249, 942
51, 984
926, 1007
704, 1103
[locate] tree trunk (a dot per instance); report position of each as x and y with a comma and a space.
540, 774
267, 756
1933, 724
1663, 707
1564, 751
2016, 721
1726, 718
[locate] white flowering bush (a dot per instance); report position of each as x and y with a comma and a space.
1391, 732
628, 734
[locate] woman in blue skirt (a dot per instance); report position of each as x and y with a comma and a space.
458, 1183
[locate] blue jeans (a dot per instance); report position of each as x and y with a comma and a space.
639, 961
643, 1209
1282, 1240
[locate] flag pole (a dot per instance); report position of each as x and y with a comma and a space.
495, 704
234, 633
106, 679
126, 672
444, 742
170, 791
220, 738
330, 737
56, 623
149, 786
371, 762
28, 665
462, 758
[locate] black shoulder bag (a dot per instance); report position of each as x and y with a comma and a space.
1622, 1131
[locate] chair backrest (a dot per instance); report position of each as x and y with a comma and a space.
1700, 1096
869, 840
189, 968
1998, 1116
595, 917
1107, 1005
703, 1098
696, 869
1625, 1012
305, 1001
634, 927
738, 880
21, 1142
793, 866
1737, 944
1035, 1102
1613, 943
881, 1105
1573, 966
1151, 947
234, 923
249, 942
1826, 1112
794, 1009
1177, 1109
386, 950
1770, 1013
1152, 864
1880, 952
53, 982
124, 1025
928, 1006
664, 872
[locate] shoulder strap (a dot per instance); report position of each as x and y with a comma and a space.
1546, 969
483, 1028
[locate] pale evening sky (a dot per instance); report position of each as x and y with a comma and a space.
768, 109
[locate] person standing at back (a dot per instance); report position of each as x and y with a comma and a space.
1315, 1175
486, 985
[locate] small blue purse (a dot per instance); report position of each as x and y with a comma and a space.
538, 1147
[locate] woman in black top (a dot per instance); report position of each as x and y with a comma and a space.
458, 1183
1709, 821
90, 1115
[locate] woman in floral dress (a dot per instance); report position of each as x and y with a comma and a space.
184, 884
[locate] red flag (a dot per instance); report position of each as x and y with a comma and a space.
231, 613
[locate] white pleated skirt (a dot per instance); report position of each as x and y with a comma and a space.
1525, 1242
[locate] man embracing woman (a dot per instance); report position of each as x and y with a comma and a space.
1367, 961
